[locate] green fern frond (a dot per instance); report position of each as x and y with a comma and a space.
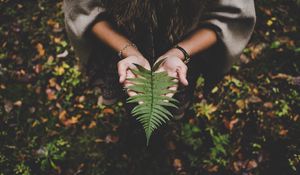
151, 88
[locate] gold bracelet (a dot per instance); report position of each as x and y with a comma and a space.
124, 48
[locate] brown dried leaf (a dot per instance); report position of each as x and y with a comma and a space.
268, 105
111, 139
108, 112
177, 164
40, 49
230, 124
50, 94
38, 68
18, 103
8, 105
93, 124
252, 164
254, 99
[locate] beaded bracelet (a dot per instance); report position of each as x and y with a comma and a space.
125, 47
186, 55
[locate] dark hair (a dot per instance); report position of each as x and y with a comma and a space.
172, 16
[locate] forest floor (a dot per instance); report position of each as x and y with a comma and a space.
52, 122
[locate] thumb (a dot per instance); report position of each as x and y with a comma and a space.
182, 76
122, 68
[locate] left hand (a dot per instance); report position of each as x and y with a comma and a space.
175, 67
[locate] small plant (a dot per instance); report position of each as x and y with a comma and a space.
218, 153
53, 151
152, 88
22, 169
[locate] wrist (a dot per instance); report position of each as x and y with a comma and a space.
136, 57
130, 52
129, 49
175, 53
186, 55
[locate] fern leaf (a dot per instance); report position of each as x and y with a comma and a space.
151, 88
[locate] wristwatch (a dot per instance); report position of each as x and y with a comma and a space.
186, 55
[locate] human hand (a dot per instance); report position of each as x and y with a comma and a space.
124, 71
175, 67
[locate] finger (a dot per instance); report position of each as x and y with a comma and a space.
161, 69
127, 83
182, 76
174, 87
147, 66
122, 68
132, 66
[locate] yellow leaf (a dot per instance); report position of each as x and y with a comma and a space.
93, 124
44, 120
269, 22
62, 115
35, 123
52, 82
241, 104
59, 70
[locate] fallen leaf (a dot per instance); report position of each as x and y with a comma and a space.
171, 146
111, 139
254, 99
281, 76
93, 124
108, 112
40, 49
252, 164
268, 105
8, 105
44, 120
177, 164
52, 82
296, 81
50, 94
80, 106
18, 103
80, 99
99, 140
63, 55
230, 124
68, 121
59, 70
62, 115
213, 169
283, 132
241, 104
38, 68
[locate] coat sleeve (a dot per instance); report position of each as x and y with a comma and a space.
78, 16
233, 21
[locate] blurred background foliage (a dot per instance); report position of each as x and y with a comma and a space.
51, 122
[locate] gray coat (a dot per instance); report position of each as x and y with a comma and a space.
233, 20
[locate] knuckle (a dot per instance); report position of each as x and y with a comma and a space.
120, 63
185, 68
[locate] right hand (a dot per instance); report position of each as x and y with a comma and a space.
124, 71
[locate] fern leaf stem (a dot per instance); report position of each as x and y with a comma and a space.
149, 129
